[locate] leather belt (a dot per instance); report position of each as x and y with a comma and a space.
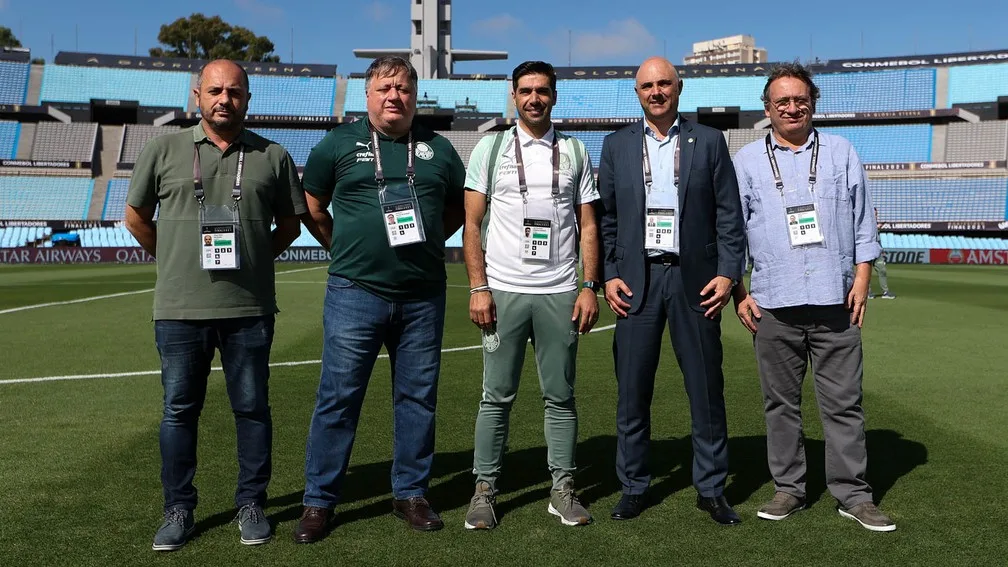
667, 259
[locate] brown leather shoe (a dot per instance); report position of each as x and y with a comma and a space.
314, 525
418, 514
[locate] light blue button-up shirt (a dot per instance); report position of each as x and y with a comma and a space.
821, 274
663, 188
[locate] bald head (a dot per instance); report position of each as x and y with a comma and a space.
658, 87
657, 65
226, 66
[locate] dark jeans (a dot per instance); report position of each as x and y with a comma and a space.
187, 348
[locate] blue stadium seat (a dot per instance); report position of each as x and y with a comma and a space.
115, 199
592, 140
13, 82
292, 96
887, 144
907, 89
940, 198
64, 83
977, 83
743, 92
596, 98
298, 143
9, 133
45, 198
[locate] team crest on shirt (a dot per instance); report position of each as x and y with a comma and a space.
565, 164
491, 340
423, 151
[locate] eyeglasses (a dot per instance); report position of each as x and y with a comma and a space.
783, 103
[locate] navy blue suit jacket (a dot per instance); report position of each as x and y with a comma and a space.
711, 229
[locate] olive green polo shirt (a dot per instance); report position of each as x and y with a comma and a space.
163, 177
341, 167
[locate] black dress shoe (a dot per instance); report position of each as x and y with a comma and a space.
718, 509
630, 506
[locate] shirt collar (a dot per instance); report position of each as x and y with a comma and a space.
807, 145
526, 139
672, 130
200, 135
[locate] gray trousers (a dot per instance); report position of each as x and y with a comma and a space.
785, 341
883, 274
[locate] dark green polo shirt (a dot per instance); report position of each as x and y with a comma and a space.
163, 177
341, 167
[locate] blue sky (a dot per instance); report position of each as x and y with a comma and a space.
602, 32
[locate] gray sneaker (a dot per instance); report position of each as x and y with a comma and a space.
564, 504
870, 517
175, 531
253, 525
782, 506
481, 513
888, 295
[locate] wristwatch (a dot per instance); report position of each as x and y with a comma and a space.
592, 285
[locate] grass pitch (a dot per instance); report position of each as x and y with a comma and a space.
79, 463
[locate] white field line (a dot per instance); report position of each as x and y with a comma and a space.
114, 295
215, 369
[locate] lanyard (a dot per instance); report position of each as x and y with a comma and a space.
812, 166
379, 171
647, 162
520, 164
197, 172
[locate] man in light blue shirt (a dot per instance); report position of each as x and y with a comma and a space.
813, 239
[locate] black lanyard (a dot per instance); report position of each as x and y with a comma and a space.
520, 164
379, 171
647, 162
197, 173
812, 166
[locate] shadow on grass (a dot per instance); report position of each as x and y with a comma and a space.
891, 457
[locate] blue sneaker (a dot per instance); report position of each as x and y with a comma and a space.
175, 531
253, 525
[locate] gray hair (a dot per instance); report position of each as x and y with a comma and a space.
390, 65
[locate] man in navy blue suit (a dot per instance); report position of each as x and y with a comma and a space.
674, 244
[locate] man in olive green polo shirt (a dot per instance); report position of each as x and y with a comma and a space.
217, 188
396, 190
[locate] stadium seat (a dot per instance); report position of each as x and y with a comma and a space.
977, 83
136, 137
58, 141
941, 198
887, 144
13, 82
292, 96
870, 91
298, 143
45, 198
986, 140
65, 83
9, 132
115, 199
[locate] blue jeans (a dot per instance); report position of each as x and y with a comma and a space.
187, 348
355, 325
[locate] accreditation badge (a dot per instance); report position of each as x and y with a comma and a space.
537, 239
803, 225
401, 215
219, 236
660, 228
219, 246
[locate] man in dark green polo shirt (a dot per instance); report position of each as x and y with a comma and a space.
217, 188
396, 190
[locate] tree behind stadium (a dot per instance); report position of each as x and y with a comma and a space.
7, 38
200, 37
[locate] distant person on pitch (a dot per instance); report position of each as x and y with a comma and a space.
215, 293
808, 293
880, 267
